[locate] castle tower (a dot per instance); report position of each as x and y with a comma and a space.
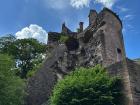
92, 16
106, 37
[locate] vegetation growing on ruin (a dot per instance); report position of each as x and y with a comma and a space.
38, 62
63, 38
87, 86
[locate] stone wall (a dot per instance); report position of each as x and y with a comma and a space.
134, 72
91, 52
131, 81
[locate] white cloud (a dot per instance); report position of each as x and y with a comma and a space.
86, 3
63, 4
33, 31
106, 3
80, 3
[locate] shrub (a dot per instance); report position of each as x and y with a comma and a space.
87, 86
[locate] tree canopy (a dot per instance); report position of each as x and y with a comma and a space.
25, 52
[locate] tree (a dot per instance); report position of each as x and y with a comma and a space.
87, 86
11, 86
25, 52
6, 40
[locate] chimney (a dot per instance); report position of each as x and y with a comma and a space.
81, 26
92, 16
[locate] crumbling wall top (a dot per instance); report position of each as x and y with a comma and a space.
113, 13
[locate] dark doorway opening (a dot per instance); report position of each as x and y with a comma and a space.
119, 54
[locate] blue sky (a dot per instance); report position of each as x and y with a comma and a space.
34, 18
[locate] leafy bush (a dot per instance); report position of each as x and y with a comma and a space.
87, 86
11, 86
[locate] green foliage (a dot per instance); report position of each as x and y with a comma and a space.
25, 51
63, 38
11, 86
87, 86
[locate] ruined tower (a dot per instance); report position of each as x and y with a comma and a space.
113, 45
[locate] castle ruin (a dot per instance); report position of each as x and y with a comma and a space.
100, 43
